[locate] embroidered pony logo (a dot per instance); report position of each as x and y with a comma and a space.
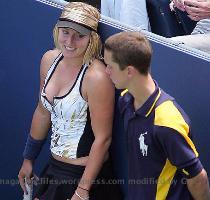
143, 146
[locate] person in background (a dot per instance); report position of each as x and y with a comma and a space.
163, 160
197, 10
77, 102
130, 12
95, 3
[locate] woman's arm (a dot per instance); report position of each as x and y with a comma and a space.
39, 129
40, 122
100, 97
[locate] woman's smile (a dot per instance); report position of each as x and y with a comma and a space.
69, 48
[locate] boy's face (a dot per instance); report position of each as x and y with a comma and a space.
117, 75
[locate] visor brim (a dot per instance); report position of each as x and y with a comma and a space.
77, 27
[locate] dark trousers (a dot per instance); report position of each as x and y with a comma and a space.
59, 181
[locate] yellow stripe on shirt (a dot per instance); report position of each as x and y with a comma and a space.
168, 115
165, 180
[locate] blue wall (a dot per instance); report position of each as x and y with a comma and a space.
26, 33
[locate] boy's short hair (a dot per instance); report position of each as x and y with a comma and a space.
130, 48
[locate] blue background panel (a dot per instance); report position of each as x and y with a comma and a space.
26, 33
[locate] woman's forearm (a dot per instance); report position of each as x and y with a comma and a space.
96, 159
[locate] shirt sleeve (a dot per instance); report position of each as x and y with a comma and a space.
105, 8
134, 13
179, 150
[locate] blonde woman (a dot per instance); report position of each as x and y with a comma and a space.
77, 102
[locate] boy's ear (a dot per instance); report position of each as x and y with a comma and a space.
131, 71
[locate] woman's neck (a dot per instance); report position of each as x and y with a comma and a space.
72, 62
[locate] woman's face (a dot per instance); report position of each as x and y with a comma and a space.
72, 43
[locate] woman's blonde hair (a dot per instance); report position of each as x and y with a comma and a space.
87, 16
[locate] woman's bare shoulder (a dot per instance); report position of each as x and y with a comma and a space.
98, 64
97, 76
97, 69
48, 58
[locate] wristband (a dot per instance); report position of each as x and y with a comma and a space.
32, 148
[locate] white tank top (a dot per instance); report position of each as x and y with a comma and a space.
69, 117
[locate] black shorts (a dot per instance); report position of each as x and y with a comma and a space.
59, 181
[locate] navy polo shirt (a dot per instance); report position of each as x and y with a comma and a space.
160, 148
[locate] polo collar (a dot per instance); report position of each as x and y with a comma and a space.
150, 103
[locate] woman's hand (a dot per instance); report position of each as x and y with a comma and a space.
25, 172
